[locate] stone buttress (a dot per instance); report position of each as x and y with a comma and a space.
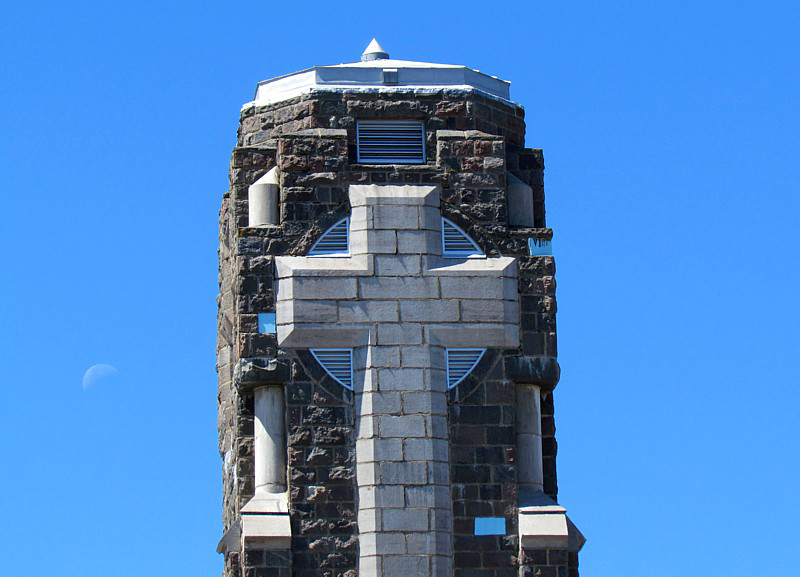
350, 444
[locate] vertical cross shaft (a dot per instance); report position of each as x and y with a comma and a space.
404, 514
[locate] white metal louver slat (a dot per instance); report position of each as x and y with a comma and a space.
390, 142
338, 363
334, 241
460, 363
456, 243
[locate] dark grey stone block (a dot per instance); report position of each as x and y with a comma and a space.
251, 373
541, 371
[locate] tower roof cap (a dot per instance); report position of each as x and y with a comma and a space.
376, 72
374, 52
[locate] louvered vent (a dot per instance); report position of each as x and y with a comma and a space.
456, 243
460, 363
334, 241
391, 141
338, 363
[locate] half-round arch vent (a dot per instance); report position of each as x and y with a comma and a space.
460, 363
338, 363
456, 242
334, 241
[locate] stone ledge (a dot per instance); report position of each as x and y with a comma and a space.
543, 524
270, 531
394, 194
271, 145
502, 266
266, 503
321, 335
230, 540
318, 132
532, 231
324, 266
541, 371
442, 134
406, 168
263, 231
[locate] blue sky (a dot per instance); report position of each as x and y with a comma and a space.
670, 134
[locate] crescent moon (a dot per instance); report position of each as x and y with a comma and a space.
96, 373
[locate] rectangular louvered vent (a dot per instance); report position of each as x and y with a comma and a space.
460, 363
334, 241
455, 242
391, 141
338, 363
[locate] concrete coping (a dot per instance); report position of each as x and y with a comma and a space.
316, 132
479, 265
543, 524
394, 194
272, 176
271, 145
264, 502
265, 520
545, 233
262, 230
230, 540
269, 531
468, 134
370, 76
324, 266
407, 168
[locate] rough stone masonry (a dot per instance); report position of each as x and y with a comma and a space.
397, 474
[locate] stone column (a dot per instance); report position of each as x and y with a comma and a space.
262, 199
270, 440
265, 518
543, 523
529, 439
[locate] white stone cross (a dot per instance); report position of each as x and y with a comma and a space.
399, 304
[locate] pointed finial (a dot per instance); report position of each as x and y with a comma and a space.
374, 52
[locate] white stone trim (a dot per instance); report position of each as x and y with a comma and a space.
399, 317
412, 77
269, 531
543, 530
265, 518
262, 200
270, 439
530, 471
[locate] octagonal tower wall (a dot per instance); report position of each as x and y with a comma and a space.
472, 144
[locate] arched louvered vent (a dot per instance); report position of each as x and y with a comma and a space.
334, 241
390, 141
338, 363
460, 363
456, 243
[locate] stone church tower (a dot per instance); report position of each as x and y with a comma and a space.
387, 334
